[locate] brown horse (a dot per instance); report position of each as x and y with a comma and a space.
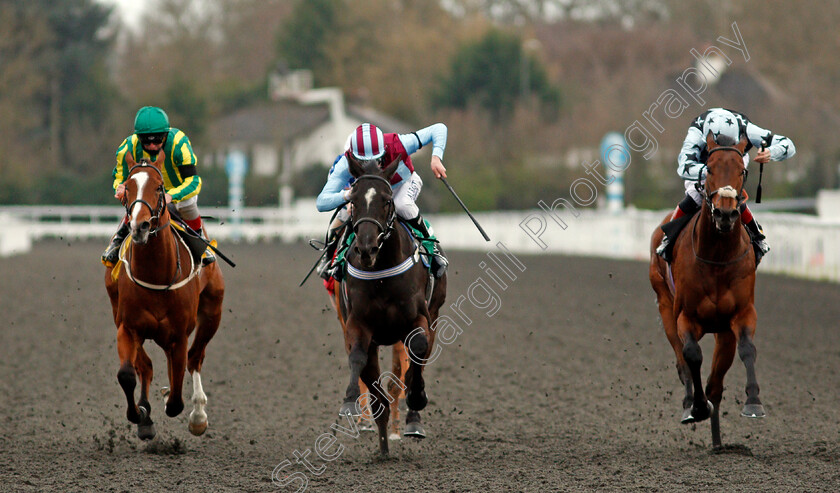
713, 289
156, 295
382, 302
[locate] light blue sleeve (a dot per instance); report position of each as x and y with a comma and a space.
688, 161
780, 147
434, 134
332, 195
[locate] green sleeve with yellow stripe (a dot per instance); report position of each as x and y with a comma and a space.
179, 156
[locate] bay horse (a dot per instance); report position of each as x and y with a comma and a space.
156, 295
710, 288
383, 301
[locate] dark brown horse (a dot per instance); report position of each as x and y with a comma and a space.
159, 292
382, 302
713, 289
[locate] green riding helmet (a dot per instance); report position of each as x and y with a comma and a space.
151, 120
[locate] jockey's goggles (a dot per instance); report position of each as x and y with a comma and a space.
147, 139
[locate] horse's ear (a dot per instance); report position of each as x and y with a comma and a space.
355, 167
161, 157
129, 159
389, 170
742, 145
710, 142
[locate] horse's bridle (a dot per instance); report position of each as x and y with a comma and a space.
738, 196
707, 197
386, 229
161, 191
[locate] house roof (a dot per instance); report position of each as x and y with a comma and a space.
263, 122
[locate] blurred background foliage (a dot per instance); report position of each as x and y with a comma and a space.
525, 86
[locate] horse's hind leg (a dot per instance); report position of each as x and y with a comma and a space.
399, 365
721, 362
209, 318
377, 397
143, 364
746, 351
127, 376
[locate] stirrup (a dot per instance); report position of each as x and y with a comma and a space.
662, 249
208, 257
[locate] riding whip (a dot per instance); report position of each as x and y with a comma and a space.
480, 229
760, 173
325, 249
207, 242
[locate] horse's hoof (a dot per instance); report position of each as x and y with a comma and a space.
414, 430
198, 429
350, 409
753, 411
366, 425
687, 418
174, 408
697, 415
146, 432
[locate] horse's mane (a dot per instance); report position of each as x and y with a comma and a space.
724, 140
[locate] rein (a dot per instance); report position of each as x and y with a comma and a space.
726, 191
384, 233
156, 214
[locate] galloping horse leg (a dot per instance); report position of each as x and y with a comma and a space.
177, 358
209, 317
666, 313
377, 397
127, 376
143, 365
702, 408
399, 365
418, 346
358, 343
721, 362
746, 351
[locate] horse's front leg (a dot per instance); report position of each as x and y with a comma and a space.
744, 329
377, 399
690, 334
143, 364
127, 376
721, 362
669, 323
358, 344
177, 358
417, 342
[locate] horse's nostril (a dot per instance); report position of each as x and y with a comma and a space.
734, 214
374, 250
356, 249
717, 213
145, 226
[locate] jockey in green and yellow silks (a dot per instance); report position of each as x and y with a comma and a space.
152, 135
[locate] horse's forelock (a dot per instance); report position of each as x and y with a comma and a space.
725, 140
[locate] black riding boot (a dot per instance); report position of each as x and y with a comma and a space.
325, 268
439, 261
208, 257
672, 229
112, 253
757, 238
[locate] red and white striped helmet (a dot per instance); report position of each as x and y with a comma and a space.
367, 142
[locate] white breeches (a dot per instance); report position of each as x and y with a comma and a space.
406, 194
188, 208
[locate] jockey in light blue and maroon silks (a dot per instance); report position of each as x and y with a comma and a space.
368, 143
